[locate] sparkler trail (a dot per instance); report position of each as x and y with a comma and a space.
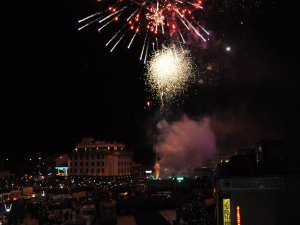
161, 21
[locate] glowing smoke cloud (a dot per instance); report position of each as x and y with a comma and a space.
185, 145
169, 72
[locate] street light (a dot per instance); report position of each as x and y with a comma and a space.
40, 165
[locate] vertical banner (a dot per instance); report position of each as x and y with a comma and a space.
226, 211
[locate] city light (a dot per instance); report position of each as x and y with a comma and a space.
7, 207
238, 215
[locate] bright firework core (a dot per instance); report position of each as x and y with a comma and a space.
169, 71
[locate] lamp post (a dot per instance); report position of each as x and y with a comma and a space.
40, 165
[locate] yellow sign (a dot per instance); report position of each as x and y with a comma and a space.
226, 211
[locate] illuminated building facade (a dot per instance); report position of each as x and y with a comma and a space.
100, 158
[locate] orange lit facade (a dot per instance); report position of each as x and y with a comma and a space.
100, 158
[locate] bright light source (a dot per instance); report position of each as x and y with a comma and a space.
238, 215
7, 207
226, 211
179, 179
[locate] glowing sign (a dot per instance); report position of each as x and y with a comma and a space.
226, 211
148, 171
179, 179
238, 215
62, 171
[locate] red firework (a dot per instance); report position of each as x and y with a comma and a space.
156, 21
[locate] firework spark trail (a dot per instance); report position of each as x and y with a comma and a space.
195, 5
145, 59
88, 24
143, 47
197, 32
207, 33
105, 25
182, 18
117, 42
113, 37
180, 45
111, 15
131, 40
181, 36
88, 17
132, 14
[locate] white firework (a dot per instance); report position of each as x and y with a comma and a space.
169, 72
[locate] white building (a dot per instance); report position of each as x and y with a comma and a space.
100, 158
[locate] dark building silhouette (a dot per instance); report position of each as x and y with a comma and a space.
257, 187
269, 157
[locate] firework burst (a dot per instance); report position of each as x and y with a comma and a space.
169, 72
156, 22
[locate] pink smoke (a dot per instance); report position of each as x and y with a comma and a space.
184, 145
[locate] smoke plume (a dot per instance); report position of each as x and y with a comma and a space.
184, 145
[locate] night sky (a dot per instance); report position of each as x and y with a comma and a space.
62, 84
